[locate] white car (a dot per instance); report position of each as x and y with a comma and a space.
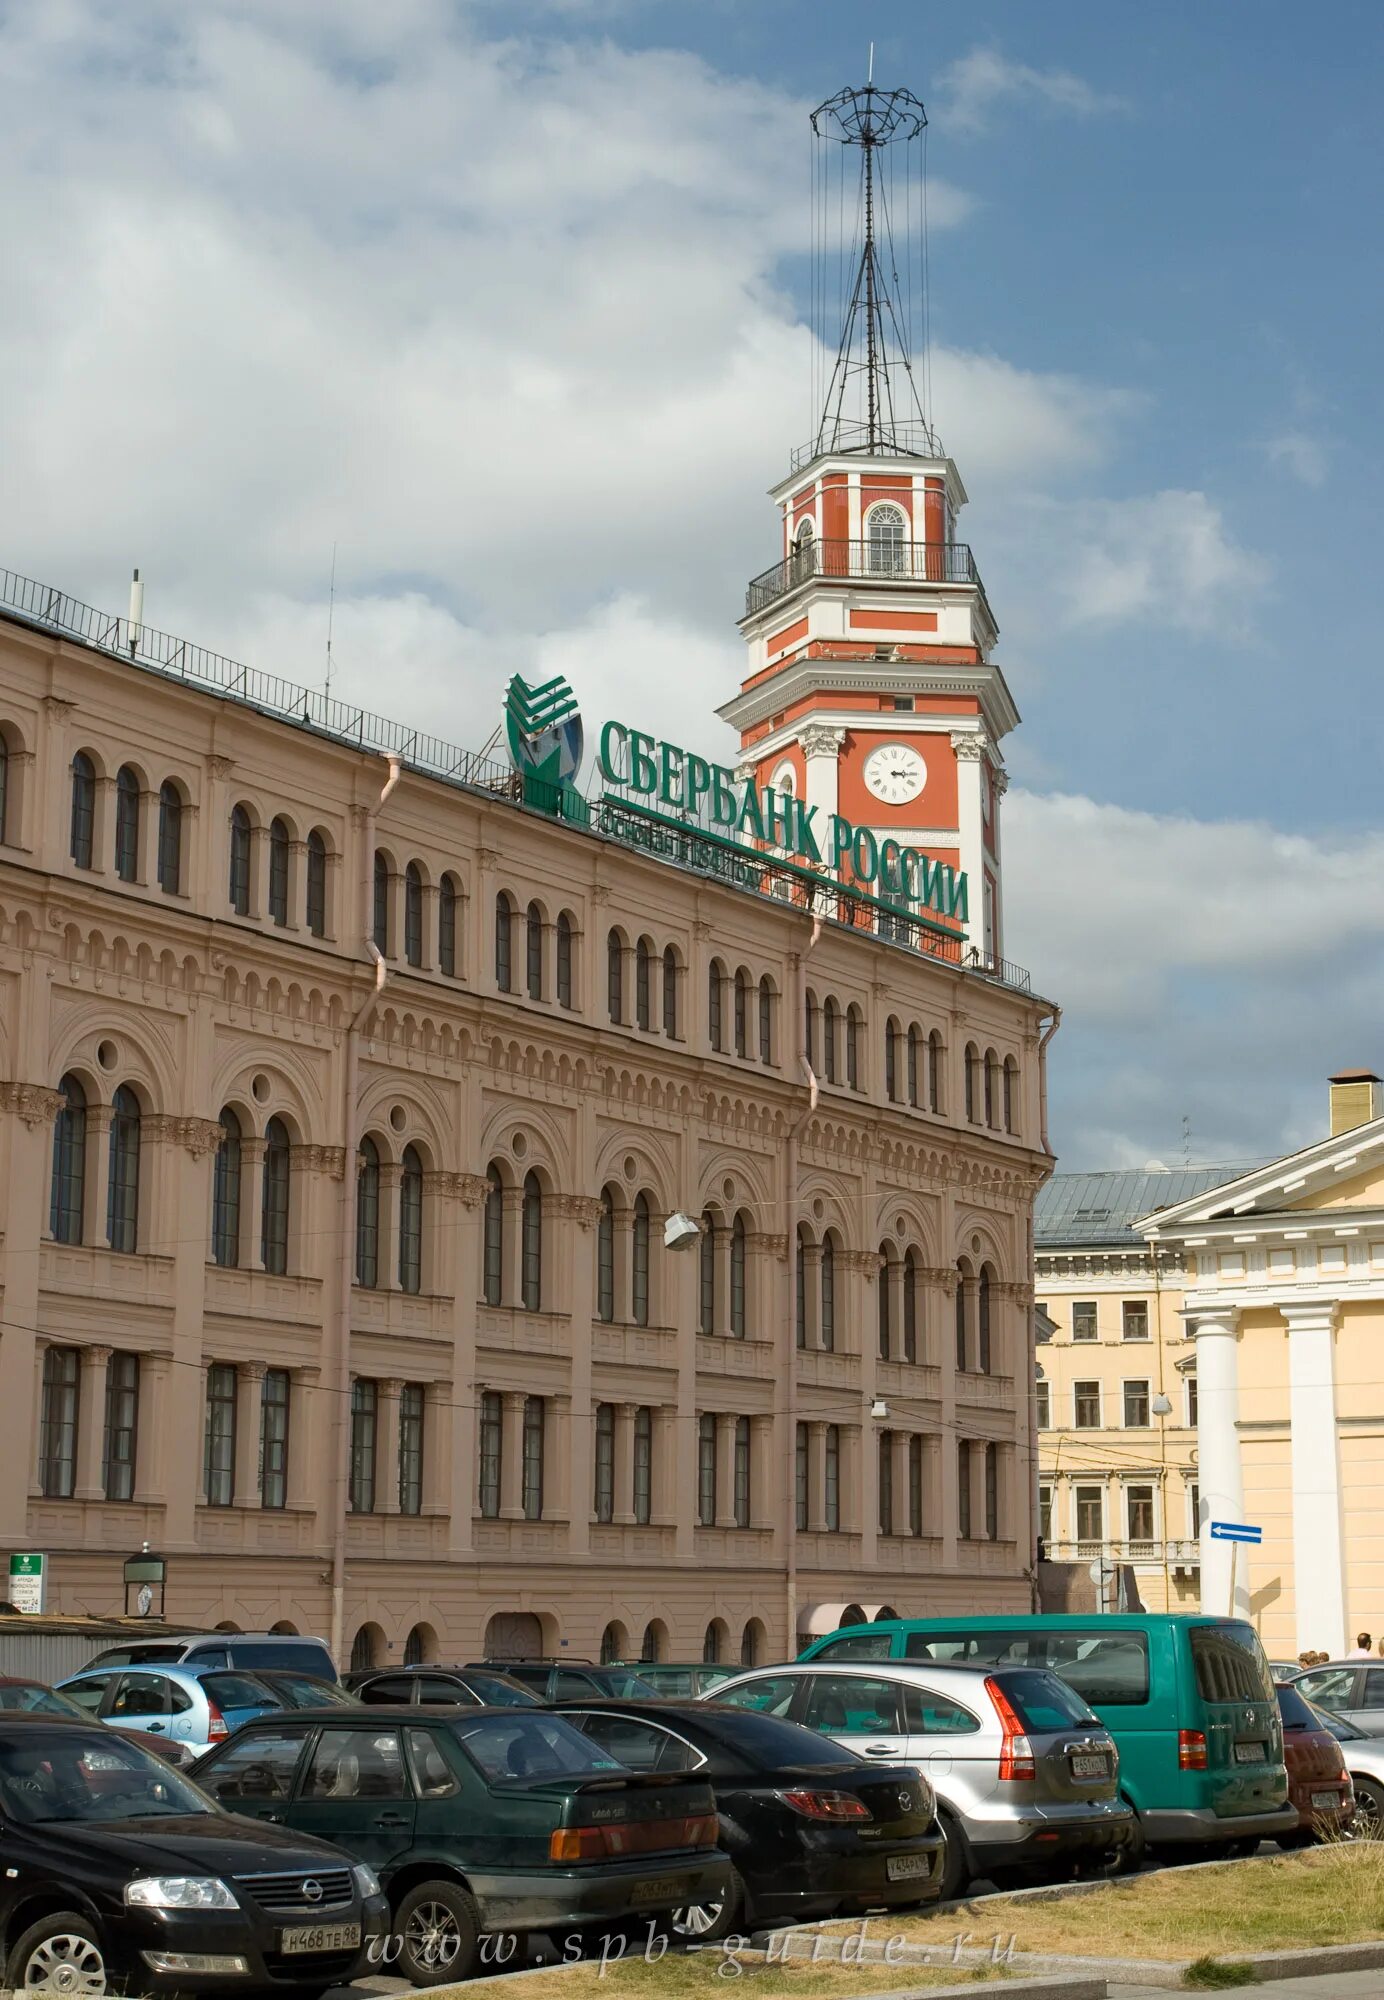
1364, 1755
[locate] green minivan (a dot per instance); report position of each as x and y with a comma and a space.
1189, 1701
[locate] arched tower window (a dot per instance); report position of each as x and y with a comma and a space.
225, 1194
278, 871
170, 838
605, 1259
886, 532
639, 1262
67, 1200
413, 914
493, 1245
447, 927
122, 1187
531, 1230
83, 831
274, 1205
533, 951
238, 884
315, 898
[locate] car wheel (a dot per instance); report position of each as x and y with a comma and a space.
1368, 1823
1131, 1855
956, 1861
61, 1953
438, 1929
704, 1923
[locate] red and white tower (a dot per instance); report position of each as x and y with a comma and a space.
870, 690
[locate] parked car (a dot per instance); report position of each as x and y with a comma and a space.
33, 1698
464, 1687
1188, 1700
119, 1872
286, 1651
573, 1680
696, 1678
292, 1690
1346, 1687
1026, 1777
811, 1829
479, 1820
194, 1708
1319, 1786
1284, 1670
1364, 1760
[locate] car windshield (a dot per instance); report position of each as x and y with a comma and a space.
769, 1741
35, 1700
305, 1691
75, 1774
532, 1746
501, 1691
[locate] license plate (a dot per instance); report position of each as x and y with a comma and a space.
908, 1867
319, 1937
1090, 1767
663, 1888
1249, 1753
1326, 1799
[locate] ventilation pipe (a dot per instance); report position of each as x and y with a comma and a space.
136, 612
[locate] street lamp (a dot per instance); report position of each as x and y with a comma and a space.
145, 1575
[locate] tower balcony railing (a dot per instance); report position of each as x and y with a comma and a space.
874, 562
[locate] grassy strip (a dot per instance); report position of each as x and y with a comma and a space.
700, 1976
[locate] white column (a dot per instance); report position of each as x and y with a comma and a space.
1318, 1553
821, 747
1218, 1456
970, 747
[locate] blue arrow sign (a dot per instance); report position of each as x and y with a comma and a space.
1235, 1531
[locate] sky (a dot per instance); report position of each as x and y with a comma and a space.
505, 304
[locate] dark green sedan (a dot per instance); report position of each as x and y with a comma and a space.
478, 1821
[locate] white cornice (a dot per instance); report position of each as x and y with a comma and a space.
799, 678
1313, 1170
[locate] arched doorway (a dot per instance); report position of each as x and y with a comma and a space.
514, 1635
752, 1643
714, 1641
615, 1643
420, 1646
367, 1649
655, 1642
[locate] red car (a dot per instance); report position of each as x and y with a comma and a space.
34, 1697
1318, 1782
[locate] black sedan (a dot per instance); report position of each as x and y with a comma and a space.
448, 1687
572, 1680
811, 1829
479, 1820
119, 1872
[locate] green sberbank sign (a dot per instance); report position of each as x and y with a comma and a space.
682, 786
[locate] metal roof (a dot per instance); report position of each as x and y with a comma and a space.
1103, 1208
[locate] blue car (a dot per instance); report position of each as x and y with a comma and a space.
196, 1709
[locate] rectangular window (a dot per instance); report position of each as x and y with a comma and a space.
915, 1486
1090, 1513
1084, 1319
963, 1489
218, 1441
273, 1463
742, 1472
801, 1475
1193, 1509
885, 1448
365, 1423
605, 1463
832, 1495
411, 1420
1134, 1319
706, 1472
492, 1445
1087, 1399
1136, 1406
1045, 1516
1139, 1513
643, 1467
1192, 1401
992, 1492
58, 1440
122, 1427
1042, 1405
535, 1421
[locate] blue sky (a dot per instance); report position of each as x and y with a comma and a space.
441, 284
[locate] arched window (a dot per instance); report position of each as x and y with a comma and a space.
368, 1215
913, 1066
742, 993
238, 886
972, 1082
885, 1282
605, 1259
1011, 1082
83, 832
670, 993
737, 1277
706, 1290
411, 1222
225, 1194
643, 985
315, 896
828, 1293
122, 1185
380, 918
615, 976
643, 1466
564, 960
801, 1286
891, 1059
278, 871
711, 1644
639, 1262
853, 1048
766, 1020
649, 1645
67, 1200
447, 927
503, 925
416, 1646
170, 838
126, 824
992, 1072
413, 914
274, 1205
829, 1017
983, 1320
934, 1071
910, 1306
605, 1462
715, 979
531, 1273
493, 1245
809, 1023
804, 551
612, 1644
886, 532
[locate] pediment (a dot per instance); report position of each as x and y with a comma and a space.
1345, 1172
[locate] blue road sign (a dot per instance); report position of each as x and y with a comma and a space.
1235, 1531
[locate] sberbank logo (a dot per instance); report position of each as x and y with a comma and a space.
543, 729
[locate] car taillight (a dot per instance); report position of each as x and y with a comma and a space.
1016, 1752
1191, 1750
626, 1837
217, 1731
577, 1843
827, 1805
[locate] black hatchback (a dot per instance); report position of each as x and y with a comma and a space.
441, 1687
479, 1820
811, 1829
119, 1872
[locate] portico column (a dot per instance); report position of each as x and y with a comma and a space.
1218, 1455
1318, 1553
821, 747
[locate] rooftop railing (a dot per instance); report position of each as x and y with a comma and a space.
882, 562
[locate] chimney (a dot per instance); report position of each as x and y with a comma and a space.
1357, 1096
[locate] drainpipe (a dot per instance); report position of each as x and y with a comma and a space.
1053, 1025
790, 1331
339, 1368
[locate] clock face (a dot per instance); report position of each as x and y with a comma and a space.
895, 773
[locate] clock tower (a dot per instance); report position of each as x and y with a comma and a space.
870, 690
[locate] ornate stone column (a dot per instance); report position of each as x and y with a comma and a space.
1318, 1537
249, 1399
821, 747
1219, 1472
387, 1448
512, 1455
91, 1423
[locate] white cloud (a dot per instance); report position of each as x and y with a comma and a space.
1166, 556
1305, 456
971, 88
